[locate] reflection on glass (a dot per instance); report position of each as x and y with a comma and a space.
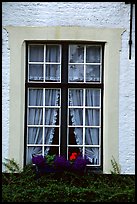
76, 54
92, 73
93, 54
76, 73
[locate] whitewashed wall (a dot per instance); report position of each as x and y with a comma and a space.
93, 14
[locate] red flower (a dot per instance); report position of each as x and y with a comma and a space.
73, 156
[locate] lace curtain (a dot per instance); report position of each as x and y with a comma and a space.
91, 119
52, 73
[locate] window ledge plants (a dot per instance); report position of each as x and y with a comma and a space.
58, 163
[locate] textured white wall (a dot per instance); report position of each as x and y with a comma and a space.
93, 14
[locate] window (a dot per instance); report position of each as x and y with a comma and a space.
22, 37
64, 100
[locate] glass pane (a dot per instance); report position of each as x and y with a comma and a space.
33, 151
52, 150
92, 117
76, 54
92, 154
51, 116
35, 97
75, 97
52, 72
92, 97
36, 53
92, 136
92, 54
35, 116
52, 53
51, 135
35, 135
73, 152
52, 97
92, 73
76, 73
76, 116
35, 72
75, 136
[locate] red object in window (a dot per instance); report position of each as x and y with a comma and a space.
73, 156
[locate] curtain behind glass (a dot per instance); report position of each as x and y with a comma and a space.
91, 118
35, 134
76, 99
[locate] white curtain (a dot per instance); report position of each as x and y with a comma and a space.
52, 58
91, 118
35, 117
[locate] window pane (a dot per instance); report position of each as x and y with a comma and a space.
51, 116
92, 136
52, 97
36, 53
76, 116
33, 151
76, 54
75, 136
35, 72
92, 73
74, 151
92, 117
52, 53
76, 73
92, 97
35, 116
52, 72
75, 97
51, 135
52, 150
35, 97
92, 154
35, 135
92, 54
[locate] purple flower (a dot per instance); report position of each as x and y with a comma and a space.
60, 162
38, 160
80, 163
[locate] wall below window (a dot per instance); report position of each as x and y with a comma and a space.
83, 14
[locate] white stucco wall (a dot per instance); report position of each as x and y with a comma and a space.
90, 14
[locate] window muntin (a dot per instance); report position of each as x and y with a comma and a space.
84, 116
44, 120
85, 63
82, 68
44, 63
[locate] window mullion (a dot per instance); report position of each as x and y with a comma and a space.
43, 121
84, 122
64, 99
